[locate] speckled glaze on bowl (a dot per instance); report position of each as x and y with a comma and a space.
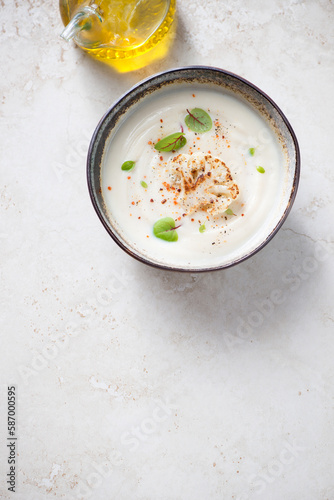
208, 77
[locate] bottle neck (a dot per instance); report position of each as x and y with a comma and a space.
81, 21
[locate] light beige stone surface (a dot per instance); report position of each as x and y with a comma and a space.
133, 383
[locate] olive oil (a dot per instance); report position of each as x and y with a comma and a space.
117, 30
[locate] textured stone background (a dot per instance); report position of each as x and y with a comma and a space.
134, 383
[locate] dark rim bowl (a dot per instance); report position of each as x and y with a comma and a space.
198, 76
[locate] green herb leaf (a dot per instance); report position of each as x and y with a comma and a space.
229, 211
165, 229
260, 169
198, 120
143, 183
251, 151
128, 165
171, 142
202, 228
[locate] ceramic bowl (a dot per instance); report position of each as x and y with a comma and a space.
201, 77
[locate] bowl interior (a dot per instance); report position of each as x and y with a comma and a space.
196, 79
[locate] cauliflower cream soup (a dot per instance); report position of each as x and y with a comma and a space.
192, 176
